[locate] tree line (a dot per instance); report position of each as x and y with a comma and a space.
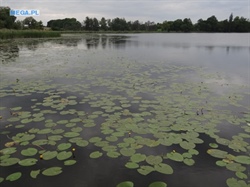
211, 24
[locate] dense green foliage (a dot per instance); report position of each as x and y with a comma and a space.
64, 24
211, 24
7, 34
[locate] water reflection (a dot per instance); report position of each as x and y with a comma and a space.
151, 42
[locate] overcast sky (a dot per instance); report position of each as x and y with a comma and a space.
131, 10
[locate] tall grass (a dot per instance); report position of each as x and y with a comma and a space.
9, 34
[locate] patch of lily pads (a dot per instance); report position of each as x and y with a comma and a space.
139, 112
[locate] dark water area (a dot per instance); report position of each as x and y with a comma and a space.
125, 95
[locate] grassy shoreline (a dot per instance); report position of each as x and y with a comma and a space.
11, 34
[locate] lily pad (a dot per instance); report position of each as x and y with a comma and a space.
64, 155
158, 184
145, 170
175, 156
28, 162
9, 161
242, 159
153, 160
29, 152
49, 155
164, 168
138, 157
52, 171
82, 143
233, 182
132, 165
125, 184
63, 146
95, 154
217, 153
113, 154
14, 176
127, 151
69, 162
34, 173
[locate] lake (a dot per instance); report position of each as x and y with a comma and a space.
169, 109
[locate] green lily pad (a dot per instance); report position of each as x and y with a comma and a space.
82, 143
127, 151
55, 137
164, 168
132, 165
95, 154
40, 142
235, 167
242, 159
241, 175
16, 108
175, 156
213, 145
14, 176
9, 161
48, 155
69, 162
153, 160
125, 184
233, 182
217, 153
220, 163
138, 157
94, 139
63, 146
189, 161
8, 151
28, 162
1, 179
34, 173
52, 171
71, 134
113, 154
44, 131
158, 184
29, 152
145, 170
64, 155
187, 145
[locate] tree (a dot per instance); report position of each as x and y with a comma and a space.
6, 21
30, 22
240, 24
187, 25
230, 22
95, 25
135, 26
176, 25
103, 24
212, 24
119, 24
87, 23
18, 25
165, 26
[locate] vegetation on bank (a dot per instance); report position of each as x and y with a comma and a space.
9, 34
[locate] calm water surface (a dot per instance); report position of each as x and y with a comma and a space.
226, 56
